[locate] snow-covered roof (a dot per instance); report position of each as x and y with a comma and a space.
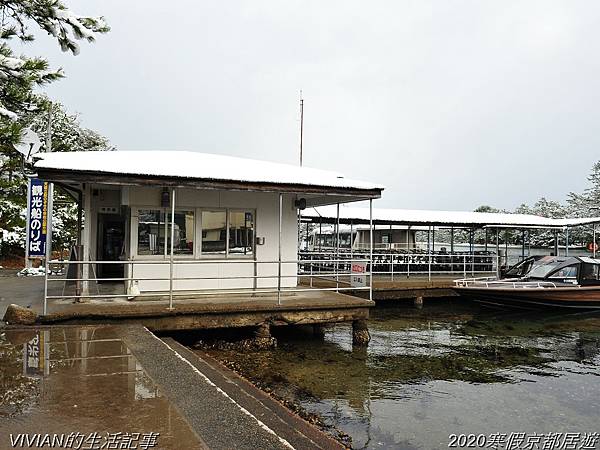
442, 218
195, 166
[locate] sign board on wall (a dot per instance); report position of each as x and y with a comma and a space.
358, 277
37, 214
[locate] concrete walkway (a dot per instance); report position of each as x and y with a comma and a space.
224, 410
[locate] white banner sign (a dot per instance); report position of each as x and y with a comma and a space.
358, 277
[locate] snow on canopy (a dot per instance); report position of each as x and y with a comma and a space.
196, 166
442, 218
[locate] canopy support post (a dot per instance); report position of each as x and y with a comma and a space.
371, 248
567, 241
49, 208
594, 241
171, 248
497, 253
279, 250
337, 248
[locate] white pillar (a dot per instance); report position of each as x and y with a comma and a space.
48, 244
279, 250
172, 245
371, 248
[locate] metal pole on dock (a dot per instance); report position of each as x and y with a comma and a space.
506, 248
279, 251
594, 241
49, 208
497, 253
567, 241
171, 248
371, 248
337, 248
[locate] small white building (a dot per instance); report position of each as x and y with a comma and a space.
235, 219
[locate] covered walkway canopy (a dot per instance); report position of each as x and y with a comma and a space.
442, 219
399, 250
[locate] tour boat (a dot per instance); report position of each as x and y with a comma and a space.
548, 281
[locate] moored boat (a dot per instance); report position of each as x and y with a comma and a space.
550, 281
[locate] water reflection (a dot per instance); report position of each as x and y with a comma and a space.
443, 369
81, 379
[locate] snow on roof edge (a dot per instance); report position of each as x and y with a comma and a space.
200, 166
446, 217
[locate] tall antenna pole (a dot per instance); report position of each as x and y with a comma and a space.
49, 131
301, 125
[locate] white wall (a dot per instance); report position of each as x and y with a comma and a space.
266, 225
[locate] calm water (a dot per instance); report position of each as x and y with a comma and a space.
444, 369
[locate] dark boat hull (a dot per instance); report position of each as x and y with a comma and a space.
534, 298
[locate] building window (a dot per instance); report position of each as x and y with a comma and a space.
184, 233
155, 224
214, 232
241, 233
151, 232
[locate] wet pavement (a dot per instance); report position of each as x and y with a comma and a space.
450, 368
83, 381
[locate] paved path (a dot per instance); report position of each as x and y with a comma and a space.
223, 409
23, 291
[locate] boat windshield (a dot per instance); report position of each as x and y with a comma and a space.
543, 270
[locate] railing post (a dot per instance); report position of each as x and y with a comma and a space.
337, 249
49, 208
311, 270
464, 266
429, 267
279, 251
171, 248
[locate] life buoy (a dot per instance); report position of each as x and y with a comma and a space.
592, 247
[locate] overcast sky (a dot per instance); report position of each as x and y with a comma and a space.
449, 104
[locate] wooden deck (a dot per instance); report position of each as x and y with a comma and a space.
401, 287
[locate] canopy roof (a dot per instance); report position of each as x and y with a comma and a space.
194, 169
457, 219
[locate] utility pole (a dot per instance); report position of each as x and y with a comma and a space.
301, 125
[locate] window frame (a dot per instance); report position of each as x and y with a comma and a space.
197, 252
167, 249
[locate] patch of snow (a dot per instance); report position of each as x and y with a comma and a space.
5, 112
32, 272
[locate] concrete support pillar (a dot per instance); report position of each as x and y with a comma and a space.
319, 330
263, 331
360, 333
419, 302
262, 338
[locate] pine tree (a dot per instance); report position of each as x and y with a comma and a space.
21, 107
19, 75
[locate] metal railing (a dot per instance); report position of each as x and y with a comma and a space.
275, 273
398, 264
514, 283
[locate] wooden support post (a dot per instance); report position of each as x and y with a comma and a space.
360, 333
